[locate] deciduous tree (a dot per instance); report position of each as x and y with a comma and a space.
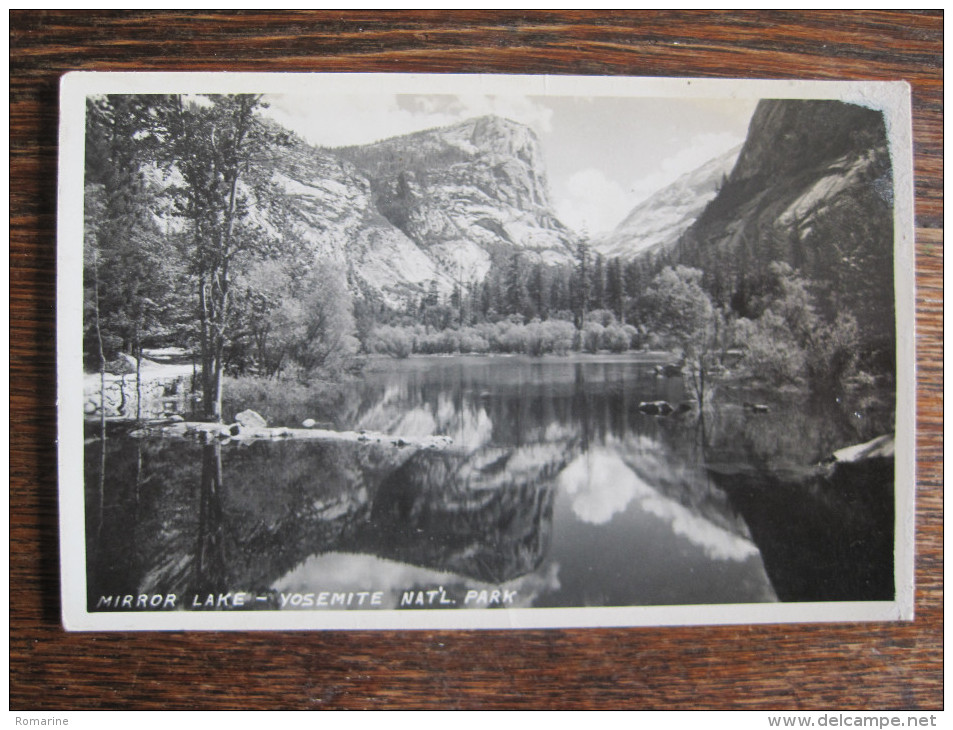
221, 151
681, 311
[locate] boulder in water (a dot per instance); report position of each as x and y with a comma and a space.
656, 408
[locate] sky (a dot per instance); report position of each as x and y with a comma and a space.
603, 155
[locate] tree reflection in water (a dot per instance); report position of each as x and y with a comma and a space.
210, 555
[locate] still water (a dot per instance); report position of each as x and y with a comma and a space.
557, 491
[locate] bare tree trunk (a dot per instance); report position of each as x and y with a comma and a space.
102, 389
213, 304
217, 377
208, 364
138, 379
192, 391
221, 303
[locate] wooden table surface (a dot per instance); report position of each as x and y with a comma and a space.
829, 666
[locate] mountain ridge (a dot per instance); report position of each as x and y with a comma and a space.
657, 222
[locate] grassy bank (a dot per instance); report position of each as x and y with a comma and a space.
281, 401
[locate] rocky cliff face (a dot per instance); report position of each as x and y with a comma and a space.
658, 222
465, 192
812, 187
335, 216
434, 205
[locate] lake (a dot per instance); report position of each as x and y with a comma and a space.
557, 492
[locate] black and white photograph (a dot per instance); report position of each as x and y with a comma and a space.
387, 351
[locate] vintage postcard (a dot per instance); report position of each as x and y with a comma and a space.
351, 351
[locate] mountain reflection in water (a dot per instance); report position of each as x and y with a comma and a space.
556, 487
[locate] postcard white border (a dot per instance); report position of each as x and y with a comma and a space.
893, 98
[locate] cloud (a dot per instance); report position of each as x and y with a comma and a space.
698, 150
590, 201
338, 121
517, 108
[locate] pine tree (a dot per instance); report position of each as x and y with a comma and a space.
615, 289
559, 296
433, 295
581, 284
599, 283
538, 291
456, 302
515, 290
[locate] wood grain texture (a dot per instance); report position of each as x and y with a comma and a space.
831, 666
